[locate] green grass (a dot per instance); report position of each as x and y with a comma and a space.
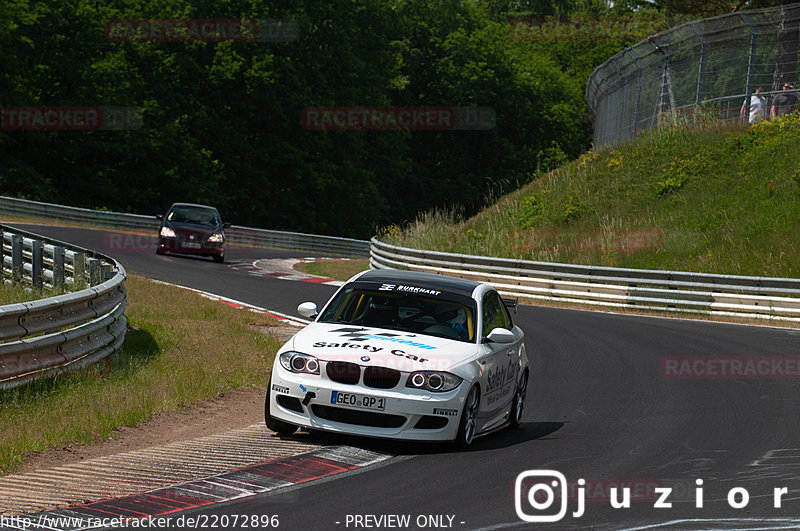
180, 349
16, 292
711, 199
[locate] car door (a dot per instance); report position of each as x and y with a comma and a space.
499, 361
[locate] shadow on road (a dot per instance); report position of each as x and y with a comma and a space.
504, 438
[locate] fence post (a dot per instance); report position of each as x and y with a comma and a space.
621, 101
16, 257
751, 59
701, 69
637, 103
58, 267
37, 260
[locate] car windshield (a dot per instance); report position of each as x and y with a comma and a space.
194, 216
407, 312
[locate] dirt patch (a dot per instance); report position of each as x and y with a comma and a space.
283, 333
235, 409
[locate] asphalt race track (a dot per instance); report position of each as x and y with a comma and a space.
599, 407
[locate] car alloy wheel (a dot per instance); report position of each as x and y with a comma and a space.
518, 406
469, 418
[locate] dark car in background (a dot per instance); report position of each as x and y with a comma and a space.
188, 228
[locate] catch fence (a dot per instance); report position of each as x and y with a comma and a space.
702, 72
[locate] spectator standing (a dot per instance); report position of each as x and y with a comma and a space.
784, 102
758, 107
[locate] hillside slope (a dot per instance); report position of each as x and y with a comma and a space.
710, 199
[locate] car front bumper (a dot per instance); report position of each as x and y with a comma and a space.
411, 414
179, 245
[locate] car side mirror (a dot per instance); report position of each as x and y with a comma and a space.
226, 225
501, 335
159, 216
308, 309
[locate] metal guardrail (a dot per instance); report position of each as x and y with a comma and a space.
297, 241
671, 291
236, 234
66, 332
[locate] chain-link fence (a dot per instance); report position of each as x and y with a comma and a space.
699, 72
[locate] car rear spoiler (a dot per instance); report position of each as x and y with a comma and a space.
511, 303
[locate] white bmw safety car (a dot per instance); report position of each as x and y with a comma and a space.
402, 355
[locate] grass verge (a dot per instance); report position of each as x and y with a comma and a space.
716, 200
180, 349
17, 292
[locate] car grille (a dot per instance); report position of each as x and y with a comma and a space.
381, 377
350, 373
343, 372
358, 417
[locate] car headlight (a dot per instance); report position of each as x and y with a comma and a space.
215, 238
299, 362
167, 232
435, 381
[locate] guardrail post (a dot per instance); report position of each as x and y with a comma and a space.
2, 256
79, 268
16, 257
37, 252
94, 271
58, 267
106, 272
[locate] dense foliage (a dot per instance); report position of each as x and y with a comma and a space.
221, 120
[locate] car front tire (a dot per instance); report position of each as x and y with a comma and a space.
219, 258
278, 426
518, 405
469, 418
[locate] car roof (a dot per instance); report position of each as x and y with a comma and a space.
196, 205
431, 281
